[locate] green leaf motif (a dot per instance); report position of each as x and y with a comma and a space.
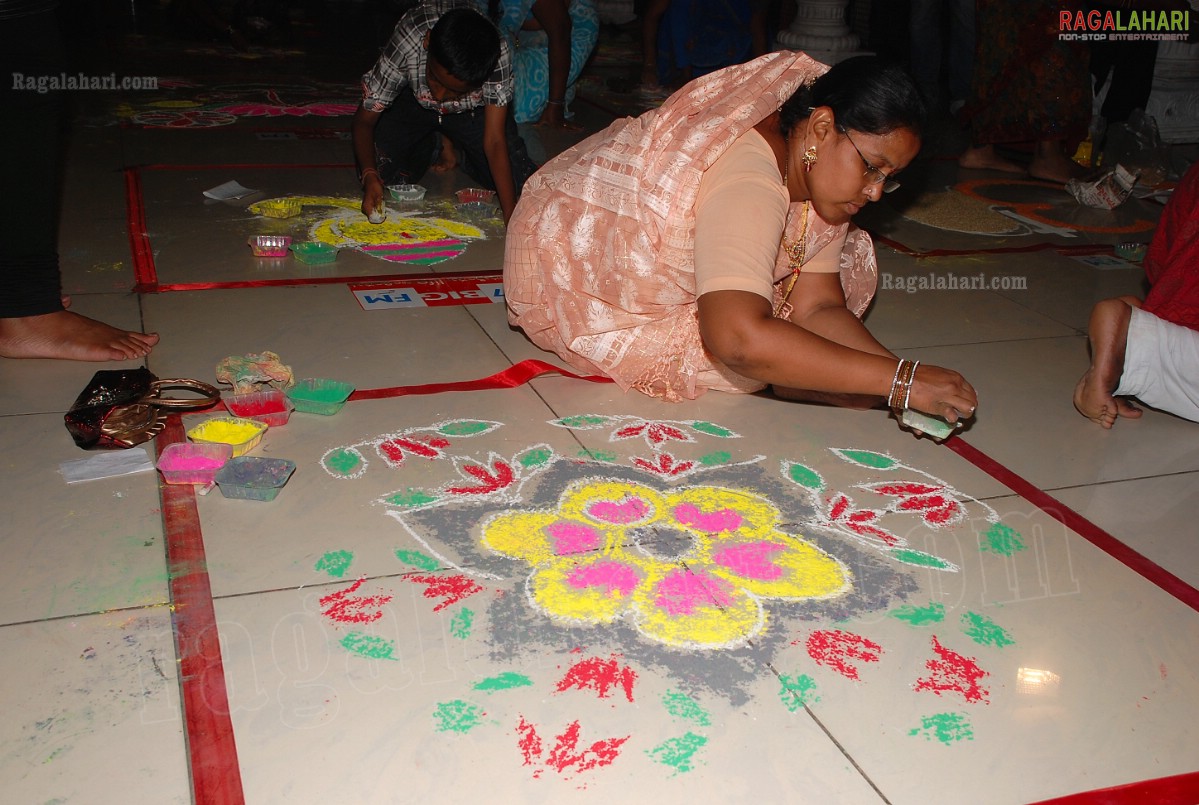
921, 559
466, 427
344, 461
716, 459
534, 457
581, 422
868, 458
712, 429
410, 498
805, 476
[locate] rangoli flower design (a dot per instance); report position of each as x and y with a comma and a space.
689, 567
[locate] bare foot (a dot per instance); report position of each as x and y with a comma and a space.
983, 157
1108, 332
69, 336
1051, 164
447, 160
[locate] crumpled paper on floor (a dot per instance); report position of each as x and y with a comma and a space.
1106, 193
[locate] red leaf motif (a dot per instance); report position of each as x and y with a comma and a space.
629, 432
490, 481
565, 755
664, 464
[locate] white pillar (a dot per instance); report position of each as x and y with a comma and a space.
819, 29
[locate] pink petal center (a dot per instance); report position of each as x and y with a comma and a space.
710, 522
681, 592
752, 560
569, 538
623, 512
615, 578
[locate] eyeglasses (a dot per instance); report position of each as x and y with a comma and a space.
872, 174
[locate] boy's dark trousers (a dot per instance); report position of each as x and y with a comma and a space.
406, 141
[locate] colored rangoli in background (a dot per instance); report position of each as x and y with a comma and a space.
686, 562
419, 236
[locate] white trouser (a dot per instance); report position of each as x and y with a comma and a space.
1161, 365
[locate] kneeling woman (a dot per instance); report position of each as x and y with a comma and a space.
707, 244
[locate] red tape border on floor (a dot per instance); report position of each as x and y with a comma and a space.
1092, 533
212, 751
1176, 790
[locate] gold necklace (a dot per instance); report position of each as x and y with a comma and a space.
795, 256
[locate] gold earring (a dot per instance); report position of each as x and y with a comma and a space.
809, 158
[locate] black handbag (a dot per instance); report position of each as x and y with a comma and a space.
124, 407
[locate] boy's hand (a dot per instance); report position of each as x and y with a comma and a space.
372, 194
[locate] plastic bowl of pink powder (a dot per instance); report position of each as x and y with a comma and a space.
191, 463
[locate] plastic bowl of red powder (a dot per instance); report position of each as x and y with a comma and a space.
271, 407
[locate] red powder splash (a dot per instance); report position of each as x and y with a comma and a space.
953, 672
451, 589
343, 608
565, 756
832, 647
601, 675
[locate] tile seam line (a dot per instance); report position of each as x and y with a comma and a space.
1113, 547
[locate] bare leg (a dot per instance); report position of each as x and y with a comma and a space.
857, 402
69, 336
983, 157
1108, 333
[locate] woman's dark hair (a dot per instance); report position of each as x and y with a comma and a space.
866, 93
466, 44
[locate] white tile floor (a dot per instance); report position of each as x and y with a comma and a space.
1033, 666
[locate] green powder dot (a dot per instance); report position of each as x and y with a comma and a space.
919, 616
945, 727
458, 716
461, 623
418, 559
335, 563
683, 706
797, 691
376, 648
504, 681
1002, 539
984, 631
678, 753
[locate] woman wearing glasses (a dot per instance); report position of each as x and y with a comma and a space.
707, 244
